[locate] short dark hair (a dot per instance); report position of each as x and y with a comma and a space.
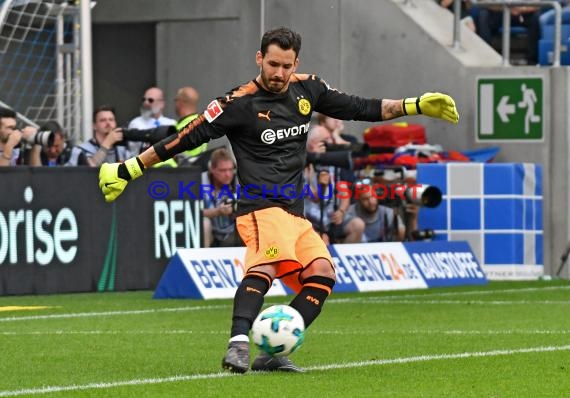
53, 126
284, 37
103, 108
5, 112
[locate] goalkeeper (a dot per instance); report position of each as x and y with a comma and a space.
266, 121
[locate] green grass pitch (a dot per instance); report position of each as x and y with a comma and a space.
507, 339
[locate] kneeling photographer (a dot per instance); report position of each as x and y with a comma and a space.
56, 152
382, 223
390, 208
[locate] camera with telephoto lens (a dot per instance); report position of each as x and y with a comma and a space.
338, 155
398, 196
392, 195
42, 138
151, 136
341, 159
398, 192
356, 149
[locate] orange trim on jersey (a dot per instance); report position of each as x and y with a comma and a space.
260, 275
319, 286
192, 125
246, 89
296, 77
185, 131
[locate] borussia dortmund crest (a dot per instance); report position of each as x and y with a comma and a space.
271, 252
304, 106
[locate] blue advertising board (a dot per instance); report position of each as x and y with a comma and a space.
216, 273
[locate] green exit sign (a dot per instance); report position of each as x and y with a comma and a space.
510, 109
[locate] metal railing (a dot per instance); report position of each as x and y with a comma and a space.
507, 4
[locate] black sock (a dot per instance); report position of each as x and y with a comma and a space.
312, 296
248, 301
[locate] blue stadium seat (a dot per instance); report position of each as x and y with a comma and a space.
516, 30
547, 18
546, 42
546, 52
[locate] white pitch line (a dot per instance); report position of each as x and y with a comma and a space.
96, 386
466, 293
322, 332
379, 300
222, 306
112, 313
347, 365
444, 332
425, 358
497, 332
110, 332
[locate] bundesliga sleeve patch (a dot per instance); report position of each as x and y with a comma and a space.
213, 110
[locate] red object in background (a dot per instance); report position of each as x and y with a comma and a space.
395, 135
383, 141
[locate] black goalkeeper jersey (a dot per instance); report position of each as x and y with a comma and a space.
268, 134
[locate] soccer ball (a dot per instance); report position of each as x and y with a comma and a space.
278, 330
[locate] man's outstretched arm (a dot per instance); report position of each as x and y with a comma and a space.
114, 177
436, 105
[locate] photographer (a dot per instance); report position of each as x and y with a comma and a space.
56, 153
106, 144
325, 210
11, 138
382, 223
219, 210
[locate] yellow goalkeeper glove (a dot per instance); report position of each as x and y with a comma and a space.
436, 105
114, 177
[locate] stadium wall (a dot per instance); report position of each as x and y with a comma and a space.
370, 47
62, 238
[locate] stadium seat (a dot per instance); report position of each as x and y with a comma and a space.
546, 42
516, 30
546, 52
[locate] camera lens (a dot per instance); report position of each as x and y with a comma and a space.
43, 138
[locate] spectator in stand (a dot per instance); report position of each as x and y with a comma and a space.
185, 105
465, 15
106, 144
151, 116
490, 22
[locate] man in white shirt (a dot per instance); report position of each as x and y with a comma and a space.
151, 109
